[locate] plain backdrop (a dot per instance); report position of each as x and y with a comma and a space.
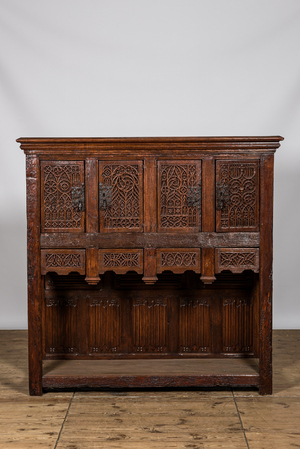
106, 68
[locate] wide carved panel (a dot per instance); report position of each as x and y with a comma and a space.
62, 196
237, 195
179, 195
178, 260
121, 196
121, 260
236, 260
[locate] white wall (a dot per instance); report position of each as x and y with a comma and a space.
149, 68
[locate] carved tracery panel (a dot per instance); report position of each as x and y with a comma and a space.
121, 260
236, 259
121, 196
179, 195
62, 196
178, 260
237, 195
62, 261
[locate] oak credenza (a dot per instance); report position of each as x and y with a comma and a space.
150, 262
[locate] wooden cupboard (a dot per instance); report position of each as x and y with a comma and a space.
150, 262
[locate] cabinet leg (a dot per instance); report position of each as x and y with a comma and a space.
35, 383
34, 276
265, 275
35, 360
265, 388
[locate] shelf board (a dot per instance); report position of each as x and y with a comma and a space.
156, 373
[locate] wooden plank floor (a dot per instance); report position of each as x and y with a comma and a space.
150, 419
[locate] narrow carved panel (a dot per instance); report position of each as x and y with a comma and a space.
178, 260
237, 325
104, 325
62, 261
121, 196
62, 318
237, 259
237, 195
194, 325
149, 319
62, 196
121, 261
179, 195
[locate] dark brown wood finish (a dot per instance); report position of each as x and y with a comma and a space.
91, 195
266, 274
63, 261
62, 196
152, 240
180, 230
150, 195
92, 266
237, 195
179, 195
34, 275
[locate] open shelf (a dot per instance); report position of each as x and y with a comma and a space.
150, 373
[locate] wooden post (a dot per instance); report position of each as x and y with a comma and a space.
91, 195
208, 218
150, 198
92, 266
265, 276
150, 266
34, 276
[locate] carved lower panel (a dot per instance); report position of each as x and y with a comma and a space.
102, 322
178, 260
62, 317
237, 325
62, 261
104, 325
194, 325
237, 259
121, 261
149, 318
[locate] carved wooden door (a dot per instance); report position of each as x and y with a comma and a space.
121, 196
179, 195
237, 195
62, 196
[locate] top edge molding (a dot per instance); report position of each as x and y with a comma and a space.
147, 143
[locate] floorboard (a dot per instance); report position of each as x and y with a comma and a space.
152, 419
